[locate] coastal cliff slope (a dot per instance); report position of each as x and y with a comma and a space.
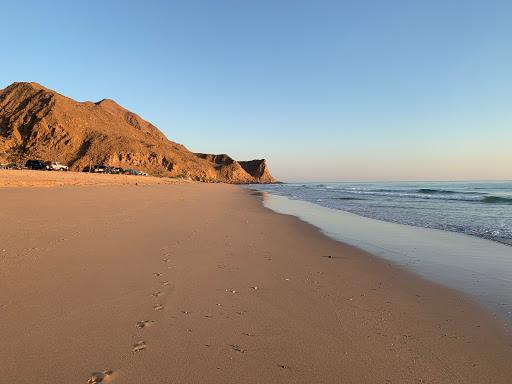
36, 122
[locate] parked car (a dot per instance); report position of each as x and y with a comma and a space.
131, 172
116, 170
55, 166
35, 164
100, 168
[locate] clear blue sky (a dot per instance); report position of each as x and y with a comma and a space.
324, 90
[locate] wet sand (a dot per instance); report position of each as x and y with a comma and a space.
480, 268
196, 283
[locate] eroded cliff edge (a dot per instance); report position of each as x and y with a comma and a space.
36, 122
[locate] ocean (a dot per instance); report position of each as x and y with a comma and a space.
481, 209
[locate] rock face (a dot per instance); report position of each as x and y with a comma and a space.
36, 122
244, 171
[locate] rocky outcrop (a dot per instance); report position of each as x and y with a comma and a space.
258, 169
254, 171
36, 122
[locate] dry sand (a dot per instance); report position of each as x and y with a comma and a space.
27, 178
233, 294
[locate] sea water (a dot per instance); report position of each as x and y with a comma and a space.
482, 209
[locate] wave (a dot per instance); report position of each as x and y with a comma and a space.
362, 193
422, 192
348, 198
497, 200
426, 194
436, 191
415, 194
432, 191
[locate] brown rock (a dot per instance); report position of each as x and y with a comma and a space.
36, 122
244, 171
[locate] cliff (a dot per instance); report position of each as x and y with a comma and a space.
254, 171
36, 122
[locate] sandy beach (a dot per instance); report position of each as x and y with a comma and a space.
198, 283
28, 178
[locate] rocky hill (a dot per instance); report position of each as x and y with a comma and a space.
36, 122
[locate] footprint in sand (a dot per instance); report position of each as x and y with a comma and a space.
156, 294
144, 323
237, 348
157, 274
139, 346
99, 377
158, 307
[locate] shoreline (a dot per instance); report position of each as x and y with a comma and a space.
475, 267
250, 296
477, 209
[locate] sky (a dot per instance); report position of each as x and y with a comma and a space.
324, 90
